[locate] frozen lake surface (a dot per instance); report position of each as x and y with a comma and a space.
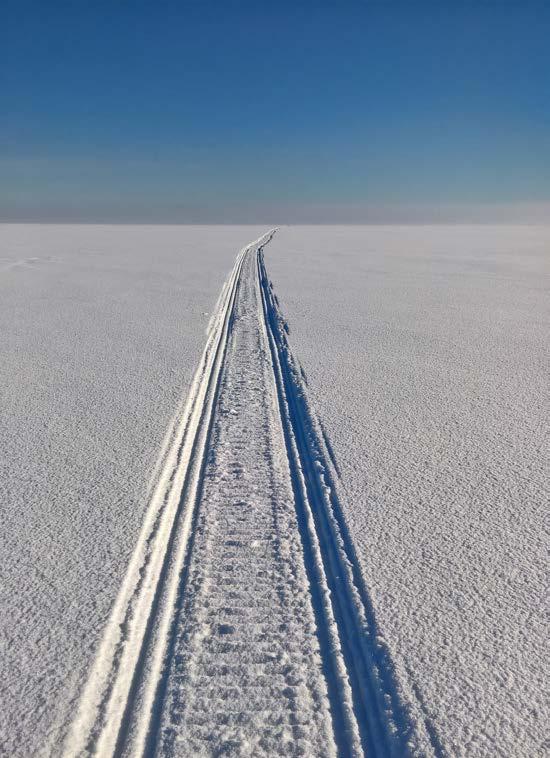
424, 353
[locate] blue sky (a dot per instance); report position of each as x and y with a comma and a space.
272, 112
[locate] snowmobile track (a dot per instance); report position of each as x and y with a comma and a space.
122, 709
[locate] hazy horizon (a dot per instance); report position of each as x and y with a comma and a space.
497, 214
239, 113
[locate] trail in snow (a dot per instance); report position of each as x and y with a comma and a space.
245, 670
243, 626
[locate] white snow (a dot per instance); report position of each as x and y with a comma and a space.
426, 354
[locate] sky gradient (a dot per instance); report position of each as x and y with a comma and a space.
274, 112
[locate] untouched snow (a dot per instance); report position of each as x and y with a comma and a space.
426, 355
101, 329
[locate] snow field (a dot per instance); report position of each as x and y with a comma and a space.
332, 538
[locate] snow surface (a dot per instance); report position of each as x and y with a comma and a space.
426, 354
101, 329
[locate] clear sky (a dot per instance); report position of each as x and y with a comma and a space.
272, 112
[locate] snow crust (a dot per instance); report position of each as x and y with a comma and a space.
101, 329
425, 350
